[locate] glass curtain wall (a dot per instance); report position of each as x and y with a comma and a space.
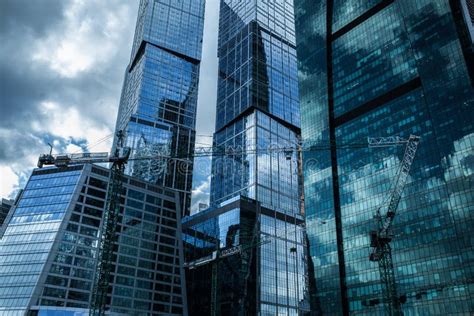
258, 110
158, 103
384, 68
30, 236
257, 104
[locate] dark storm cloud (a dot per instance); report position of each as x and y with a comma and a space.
21, 90
35, 16
26, 83
21, 22
29, 77
11, 150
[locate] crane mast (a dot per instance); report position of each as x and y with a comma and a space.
380, 239
107, 241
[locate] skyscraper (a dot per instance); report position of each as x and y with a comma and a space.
257, 104
255, 191
49, 248
159, 95
383, 68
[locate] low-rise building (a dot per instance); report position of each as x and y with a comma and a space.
49, 250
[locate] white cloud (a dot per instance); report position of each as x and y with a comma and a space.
68, 122
66, 87
89, 38
8, 181
459, 177
72, 148
200, 195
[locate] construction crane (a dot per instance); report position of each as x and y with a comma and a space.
380, 239
105, 263
122, 155
118, 160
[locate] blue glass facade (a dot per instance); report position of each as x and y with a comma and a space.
257, 109
254, 171
30, 235
266, 277
49, 250
382, 68
158, 104
257, 104
207, 232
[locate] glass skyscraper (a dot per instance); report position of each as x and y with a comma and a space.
257, 104
49, 248
159, 95
382, 68
257, 110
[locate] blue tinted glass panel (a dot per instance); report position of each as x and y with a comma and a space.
27, 242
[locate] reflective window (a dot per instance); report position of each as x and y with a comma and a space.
28, 239
397, 69
157, 110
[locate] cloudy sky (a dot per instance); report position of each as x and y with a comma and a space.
61, 71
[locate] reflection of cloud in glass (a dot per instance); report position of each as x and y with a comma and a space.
459, 176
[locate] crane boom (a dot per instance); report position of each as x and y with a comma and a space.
380, 239
402, 178
385, 222
64, 160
